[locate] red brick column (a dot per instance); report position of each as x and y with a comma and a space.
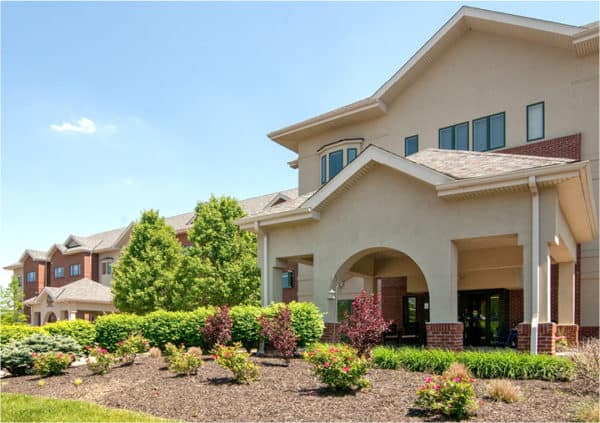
331, 333
445, 335
571, 332
523, 337
546, 338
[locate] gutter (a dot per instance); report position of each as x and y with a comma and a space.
535, 270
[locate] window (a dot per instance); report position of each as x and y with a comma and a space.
411, 145
535, 121
31, 276
75, 269
20, 280
410, 311
351, 155
336, 162
59, 272
488, 132
107, 266
455, 137
323, 169
287, 280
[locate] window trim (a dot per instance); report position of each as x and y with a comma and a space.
34, 273
406, 139
323, 169
543, 120
454, 136
63, 272
330, 176
489, 132
348, 161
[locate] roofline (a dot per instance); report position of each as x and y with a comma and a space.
376, 100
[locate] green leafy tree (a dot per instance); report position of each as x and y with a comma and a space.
11, 303
222, 259
144, 278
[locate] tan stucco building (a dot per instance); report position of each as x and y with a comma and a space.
464, 190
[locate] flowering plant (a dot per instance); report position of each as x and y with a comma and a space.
130, 347
452, 397
99, 360
338, 366
183, 362
278, 330
51, 363
231, 358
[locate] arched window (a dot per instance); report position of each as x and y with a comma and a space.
337, 155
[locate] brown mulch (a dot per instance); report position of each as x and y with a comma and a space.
282, 394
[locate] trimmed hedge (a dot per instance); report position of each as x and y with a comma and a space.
80, 330
161, 327
482, 364
19, 331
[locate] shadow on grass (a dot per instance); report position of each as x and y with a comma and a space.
425, 415
328, 392
272, 364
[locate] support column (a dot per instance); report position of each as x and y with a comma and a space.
566, 304
444, 331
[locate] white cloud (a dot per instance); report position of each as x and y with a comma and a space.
83, 126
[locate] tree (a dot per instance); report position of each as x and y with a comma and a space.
144, 278
222, 259
365, 325
11, 303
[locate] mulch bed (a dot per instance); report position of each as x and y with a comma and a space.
282, 394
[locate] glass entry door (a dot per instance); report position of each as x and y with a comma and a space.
485, 316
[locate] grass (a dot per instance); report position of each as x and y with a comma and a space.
587, 412
485, 365
28, 408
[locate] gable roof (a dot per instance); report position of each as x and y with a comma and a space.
581, 39
83, 290
453, 174
111, 240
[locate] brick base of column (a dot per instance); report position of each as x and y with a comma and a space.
571, 332
331, 333
523, 337
546, 338
445, 336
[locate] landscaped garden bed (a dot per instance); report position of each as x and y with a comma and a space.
282, 393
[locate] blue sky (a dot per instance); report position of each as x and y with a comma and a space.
112, 108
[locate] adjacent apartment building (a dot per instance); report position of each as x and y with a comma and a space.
464, 191
72, 279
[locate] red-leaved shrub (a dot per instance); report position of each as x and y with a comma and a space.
217, 328
365, 325
278, 330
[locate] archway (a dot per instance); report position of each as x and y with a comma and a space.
50, 317
399, 280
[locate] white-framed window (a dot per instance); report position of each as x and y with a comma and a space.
31, 276
20, 280
336, 156
535, 121
59, 272
75, 269
106, 267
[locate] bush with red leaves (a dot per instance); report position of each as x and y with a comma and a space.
217, 328
365, 325
278, 330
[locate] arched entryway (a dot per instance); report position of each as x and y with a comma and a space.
399, 280
50, 317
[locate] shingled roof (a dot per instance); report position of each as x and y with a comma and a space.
83, 290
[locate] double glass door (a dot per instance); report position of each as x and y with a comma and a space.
485, 316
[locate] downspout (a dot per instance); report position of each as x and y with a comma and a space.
535, 262
264, 277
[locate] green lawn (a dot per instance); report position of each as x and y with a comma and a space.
28, 408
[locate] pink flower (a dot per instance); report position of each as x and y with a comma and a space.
428, 379
471, 380
436, 387
34, 354
345, 369
120, 343
326, 364
227, 353
214, 357
456, 379
334, 359
59, 355
331, 350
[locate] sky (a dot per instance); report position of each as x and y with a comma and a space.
108, 109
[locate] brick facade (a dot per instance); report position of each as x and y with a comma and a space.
331, 333
392, 295
546, 338
31, 289
515, 307
291, 294
571, 332
445, 335
568, 147
183, 238
589, 332
59, 259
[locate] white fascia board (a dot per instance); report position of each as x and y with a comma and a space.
295, 215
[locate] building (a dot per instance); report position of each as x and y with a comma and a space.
464, 190
72, 279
